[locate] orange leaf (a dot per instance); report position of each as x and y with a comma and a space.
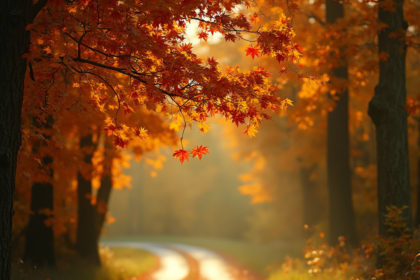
199, 151
182, 155
253, 52
110, 129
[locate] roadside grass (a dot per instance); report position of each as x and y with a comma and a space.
260, 258
302, 274
117, 264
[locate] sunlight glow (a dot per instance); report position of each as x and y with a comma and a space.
212, 266
191, 35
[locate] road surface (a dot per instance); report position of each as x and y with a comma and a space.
187, 262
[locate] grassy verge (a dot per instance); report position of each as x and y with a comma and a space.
117, 264
303, 275
260, 258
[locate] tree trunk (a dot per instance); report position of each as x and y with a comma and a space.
39, 247
311, 207
14, 42
386, 109
417, 218
86, 240
341, 213
105, 188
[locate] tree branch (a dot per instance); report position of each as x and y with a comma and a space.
36, 8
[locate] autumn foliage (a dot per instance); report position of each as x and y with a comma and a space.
133, 54
123, 72
108, 80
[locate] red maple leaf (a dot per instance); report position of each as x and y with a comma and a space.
110, 129
182, 155
253, 52
298, 48
203, 35
186, 47
199, 151
230, 37
118, 141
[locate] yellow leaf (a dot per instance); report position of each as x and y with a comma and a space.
204, 127
285, 103
251, 130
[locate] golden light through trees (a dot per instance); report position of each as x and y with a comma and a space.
256, 125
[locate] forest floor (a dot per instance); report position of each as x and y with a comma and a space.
117, 264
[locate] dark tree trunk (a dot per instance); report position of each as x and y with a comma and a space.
341, 213
86, 239
417, 217
14, 42
39, 247
389, 116
105, 188
311, 206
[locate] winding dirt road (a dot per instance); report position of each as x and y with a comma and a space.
187, 262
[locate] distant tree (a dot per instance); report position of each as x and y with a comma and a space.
341, 212
86, 237
105, 187
39, 236
387, 110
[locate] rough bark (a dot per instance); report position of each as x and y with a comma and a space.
104, 191
39, 247
386, 110
341, 213
86, 239
14, 42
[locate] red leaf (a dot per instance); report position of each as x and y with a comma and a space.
110, 129
298, 48
203, 35
253, 52
182, 155
199, 151
118, 141
230, 37
186, 47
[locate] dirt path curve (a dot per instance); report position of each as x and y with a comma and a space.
211, 266
172, 265
187, 262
